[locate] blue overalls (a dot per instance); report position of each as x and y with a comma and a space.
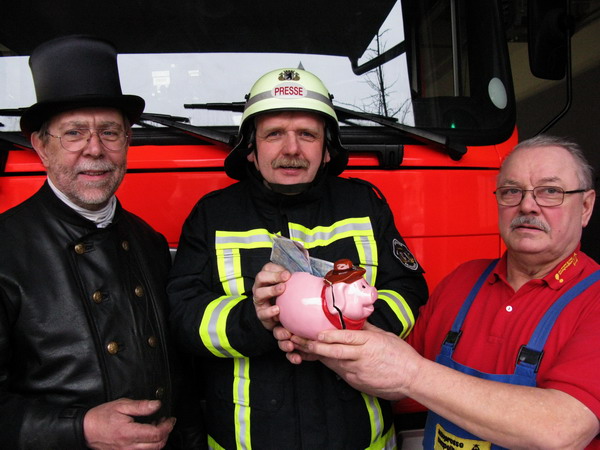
443, 434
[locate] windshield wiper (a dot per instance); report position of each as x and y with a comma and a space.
182, 123
13, 137
454, 150
175, 122
233, 106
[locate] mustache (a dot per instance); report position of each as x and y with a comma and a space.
285, 161
529, 220
95, 166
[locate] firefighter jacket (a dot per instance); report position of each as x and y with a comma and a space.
82, 320
255, 398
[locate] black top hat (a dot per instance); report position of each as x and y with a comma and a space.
76, 72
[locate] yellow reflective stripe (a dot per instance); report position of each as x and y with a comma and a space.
228, 265
241, 400
357, 228
213, 445
227, 249
213, 332
385, 442
325, 235
402, 310
256, 238
375, 416
367, 253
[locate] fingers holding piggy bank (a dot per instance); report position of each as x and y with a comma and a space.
342, 299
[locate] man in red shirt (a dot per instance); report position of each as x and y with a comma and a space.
505, 353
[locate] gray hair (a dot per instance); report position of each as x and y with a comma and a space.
585, 172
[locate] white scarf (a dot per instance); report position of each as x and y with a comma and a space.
102, 218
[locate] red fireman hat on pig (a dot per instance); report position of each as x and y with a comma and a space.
344, 272
285, 90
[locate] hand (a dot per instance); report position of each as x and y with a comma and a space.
268, 284
295, 356
371, 360
111, 426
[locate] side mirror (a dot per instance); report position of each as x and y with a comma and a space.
549, 31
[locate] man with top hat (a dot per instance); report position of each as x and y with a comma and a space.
505, 353
222, 285
83, 341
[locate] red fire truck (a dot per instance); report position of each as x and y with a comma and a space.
422, 89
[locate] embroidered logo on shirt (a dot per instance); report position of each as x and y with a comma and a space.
572, 261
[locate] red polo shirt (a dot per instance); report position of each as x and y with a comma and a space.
501, 320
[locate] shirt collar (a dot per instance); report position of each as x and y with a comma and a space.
563, 272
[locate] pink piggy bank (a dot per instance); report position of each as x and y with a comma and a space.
342, 299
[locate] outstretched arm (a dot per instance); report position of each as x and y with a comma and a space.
381, 364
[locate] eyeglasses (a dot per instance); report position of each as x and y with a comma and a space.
543, 195
113, 140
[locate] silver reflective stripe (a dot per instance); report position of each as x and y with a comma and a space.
402, 309
228, 245
358, 228
374, 409
213, 326
241, 399
269, 94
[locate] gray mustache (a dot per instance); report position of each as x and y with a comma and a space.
95, 166
529, 220
290, 162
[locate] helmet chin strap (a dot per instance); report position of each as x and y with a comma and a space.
298, 188
288, 189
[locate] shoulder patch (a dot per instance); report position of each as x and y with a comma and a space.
404, 255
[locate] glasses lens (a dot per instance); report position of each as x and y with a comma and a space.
509, 196
75, 140
112, 139
548, 195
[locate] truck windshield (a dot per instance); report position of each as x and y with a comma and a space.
439, 65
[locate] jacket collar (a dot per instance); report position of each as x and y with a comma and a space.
62, 211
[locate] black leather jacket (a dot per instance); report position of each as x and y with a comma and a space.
82, 319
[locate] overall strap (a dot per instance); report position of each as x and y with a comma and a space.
455, 331
530, 355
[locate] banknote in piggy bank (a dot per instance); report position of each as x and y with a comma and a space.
342, 299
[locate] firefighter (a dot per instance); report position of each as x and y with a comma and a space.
515, 340
287, 160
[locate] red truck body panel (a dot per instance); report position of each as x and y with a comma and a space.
444, 209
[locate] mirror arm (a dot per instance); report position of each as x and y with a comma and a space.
379, 60
568, 75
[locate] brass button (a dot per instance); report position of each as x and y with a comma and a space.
152, 341
97, 297
160, 393
112, 348
125, 245
139, 291
80, 249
